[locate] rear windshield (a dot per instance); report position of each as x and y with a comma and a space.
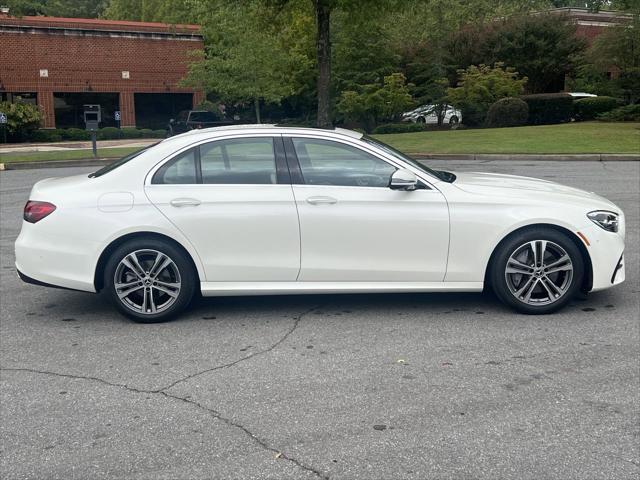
120, 162
202, 117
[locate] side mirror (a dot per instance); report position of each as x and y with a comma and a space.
403, 180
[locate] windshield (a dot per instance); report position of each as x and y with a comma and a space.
120, 162
405, 158
202, 117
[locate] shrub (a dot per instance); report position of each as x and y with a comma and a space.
399, 128
74, 134
628, 113
508, 112
45, 136
108, 133
129, 133
547, 108
479, 87
145, 133
22, 120
589, 108
161, 133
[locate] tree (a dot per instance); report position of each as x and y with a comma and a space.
480, 86
57, 8
542, 47
242, 65
374, 102
168, 11
617, 50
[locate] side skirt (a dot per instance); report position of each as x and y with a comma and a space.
221, 289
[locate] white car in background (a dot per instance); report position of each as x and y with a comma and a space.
259, 210
427, 114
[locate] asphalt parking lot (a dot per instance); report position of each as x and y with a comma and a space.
447, 386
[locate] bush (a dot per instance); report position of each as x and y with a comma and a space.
108, 133
45, 136
590, 108
548, 108
145, 133
162, 133
479, 87
130, 133
508, 112
22, 120
628, 113
74, 134
399, 128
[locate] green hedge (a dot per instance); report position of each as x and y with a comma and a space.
508, 112
399, 128
79, 134
628, 113
548, 108
590, 108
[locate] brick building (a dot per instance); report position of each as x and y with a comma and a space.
132, 67
591, 24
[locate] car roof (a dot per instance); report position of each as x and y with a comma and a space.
212, 132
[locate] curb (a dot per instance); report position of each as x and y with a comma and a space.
91, 162
490, 157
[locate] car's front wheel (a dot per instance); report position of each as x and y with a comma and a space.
149, 280
537, 271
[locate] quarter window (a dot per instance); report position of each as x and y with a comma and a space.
239, 161
180, 170
324, 162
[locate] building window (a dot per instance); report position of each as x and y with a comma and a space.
30, 98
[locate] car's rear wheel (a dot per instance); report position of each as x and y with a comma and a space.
454, 120
149, 280
537, 271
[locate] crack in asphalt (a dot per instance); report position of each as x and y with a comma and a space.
217, 415
293, 328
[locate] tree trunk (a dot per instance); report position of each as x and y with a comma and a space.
323, 50
256, 103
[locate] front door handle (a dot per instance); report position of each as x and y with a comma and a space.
321, 200
185, 202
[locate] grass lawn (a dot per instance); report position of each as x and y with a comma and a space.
66, 155
583, 137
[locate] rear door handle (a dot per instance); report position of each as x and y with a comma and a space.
185, 202
321, 200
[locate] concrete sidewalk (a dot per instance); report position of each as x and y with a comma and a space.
78, 145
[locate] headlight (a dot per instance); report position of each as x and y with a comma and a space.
604, 219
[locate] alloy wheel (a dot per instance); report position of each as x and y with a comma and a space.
147, 281
539, 272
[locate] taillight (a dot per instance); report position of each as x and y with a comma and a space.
36, 211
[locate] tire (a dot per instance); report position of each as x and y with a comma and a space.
421, 120
544, 288
453, 120
161, 284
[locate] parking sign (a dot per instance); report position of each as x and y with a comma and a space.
3, 118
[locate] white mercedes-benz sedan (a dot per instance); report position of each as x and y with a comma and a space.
253, 210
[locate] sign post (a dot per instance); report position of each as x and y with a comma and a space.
117, 117
3, 125
92, 119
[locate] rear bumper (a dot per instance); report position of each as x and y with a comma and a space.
45, 259
33, 281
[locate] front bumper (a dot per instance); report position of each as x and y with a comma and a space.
606, 251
